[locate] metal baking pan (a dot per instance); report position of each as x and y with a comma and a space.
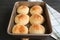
46, 24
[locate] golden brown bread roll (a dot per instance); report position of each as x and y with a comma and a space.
36, 10
22, 19
22, 9
20, 29
36, 19
36, 29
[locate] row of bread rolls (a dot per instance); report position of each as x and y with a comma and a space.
34, 10
36, 20
34, 29
22, 19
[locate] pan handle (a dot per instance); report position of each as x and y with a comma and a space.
35, 0
25, 38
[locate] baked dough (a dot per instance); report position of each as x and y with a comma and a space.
36, 10
22, 19
23, 9
36, 19
20, 29
36, 29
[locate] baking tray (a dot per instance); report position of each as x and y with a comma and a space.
46, 24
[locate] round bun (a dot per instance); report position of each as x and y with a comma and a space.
20, 29
22, 9
36, 10
22, 19
36, 19
36, 29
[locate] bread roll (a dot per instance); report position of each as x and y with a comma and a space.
22, 9
20, 29
36, 19
36, 10
22, 19
36, 29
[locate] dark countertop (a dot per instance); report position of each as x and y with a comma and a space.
6, 7
54, 3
